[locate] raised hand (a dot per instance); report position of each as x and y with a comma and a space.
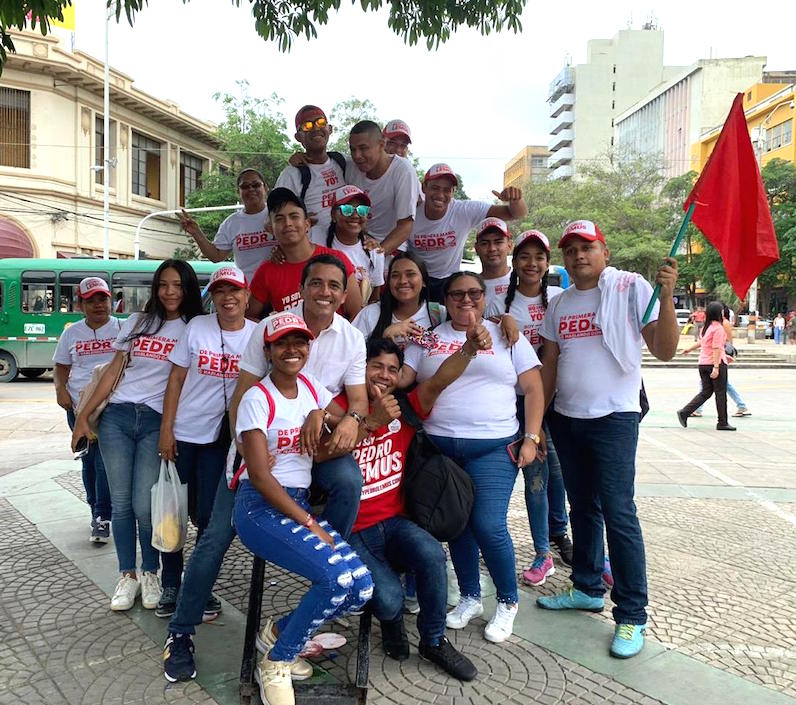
188, 224
477, 335
385, 408
510, 193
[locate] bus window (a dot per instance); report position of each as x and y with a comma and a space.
134, 288
38, 291
67, 288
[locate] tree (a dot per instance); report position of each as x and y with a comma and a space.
283, 21
779, 179
344, 115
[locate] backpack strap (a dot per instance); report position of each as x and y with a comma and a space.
271, 405
306, 177
339, 159
408, 413
434, 313
309, 386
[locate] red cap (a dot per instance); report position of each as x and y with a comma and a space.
397, 128
440, 171
347, 193
309, 112
492, 224
92, 285
282, 323
583, 229
533, 236
228, 274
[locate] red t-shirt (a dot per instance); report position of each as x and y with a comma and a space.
277, 285
381, 457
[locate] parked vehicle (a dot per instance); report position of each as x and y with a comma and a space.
682, 314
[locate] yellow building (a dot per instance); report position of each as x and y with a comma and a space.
530, 164
770, 115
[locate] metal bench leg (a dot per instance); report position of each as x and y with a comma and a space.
248, 663
363, 657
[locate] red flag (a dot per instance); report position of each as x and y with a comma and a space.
731, 207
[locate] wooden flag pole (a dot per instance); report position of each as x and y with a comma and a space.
675, 246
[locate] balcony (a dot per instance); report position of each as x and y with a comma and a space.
562, 83
565, 171
562, 122
562, 139
566, 101
561, 156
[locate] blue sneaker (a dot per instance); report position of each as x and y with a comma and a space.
628, 640
572, 599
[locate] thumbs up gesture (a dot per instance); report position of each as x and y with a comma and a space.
478, 337
385, 408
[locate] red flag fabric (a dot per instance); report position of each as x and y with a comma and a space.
731, 208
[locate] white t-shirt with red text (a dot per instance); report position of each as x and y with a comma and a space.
211, 378
496, 289
427, 316
528, 311
368, 265
440, 243
292, 468
324, 180
394, 195
481, 403
245, 235
146, 376
83, 348
589, 381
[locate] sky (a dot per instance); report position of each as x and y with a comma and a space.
473, 103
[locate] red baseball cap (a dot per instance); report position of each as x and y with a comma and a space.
347, 193
584, 229
282, 323
492, 224
92, 285
309, 112
532, 236
397, 128
440, 171
228, 275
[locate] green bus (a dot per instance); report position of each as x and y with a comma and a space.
37, 301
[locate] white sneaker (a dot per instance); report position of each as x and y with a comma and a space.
501, 626
300, 669
276, 685
125, 593
150, 590
468, 608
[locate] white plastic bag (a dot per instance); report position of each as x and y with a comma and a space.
169, 510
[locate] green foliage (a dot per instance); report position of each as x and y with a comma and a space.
14, 15
344, 115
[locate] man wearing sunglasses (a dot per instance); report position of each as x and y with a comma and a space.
441, 228
320, 174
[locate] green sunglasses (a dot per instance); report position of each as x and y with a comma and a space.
348, 210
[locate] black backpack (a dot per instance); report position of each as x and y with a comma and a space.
306, 174
438, 494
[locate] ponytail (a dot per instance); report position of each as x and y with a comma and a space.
513, 283
545, 280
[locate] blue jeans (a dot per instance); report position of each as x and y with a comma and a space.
778, 336
489, 466
342, 479
200, 465
732, 392
598, 457
205, 563
395, 546
557, 517
340, 581
128, 439
95, 481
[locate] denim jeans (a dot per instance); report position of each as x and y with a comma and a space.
200, 465
205, 562
128, 439
340, 581
95, 481
398, 545
557, 516
732, 393
493, 473
598, 457
342, 479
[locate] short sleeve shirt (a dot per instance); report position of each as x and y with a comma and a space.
245, 235
528, 311
369, 265
368, 317
496, 289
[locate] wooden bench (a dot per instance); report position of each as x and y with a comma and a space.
306, 693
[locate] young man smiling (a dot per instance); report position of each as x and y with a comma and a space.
593, 335
493, 246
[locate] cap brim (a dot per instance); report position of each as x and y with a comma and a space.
531, 238
393, 135
582, 236
491, 229
92, 292
282, 332
361, 196
437, 177
234, 282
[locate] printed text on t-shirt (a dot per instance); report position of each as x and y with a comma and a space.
155, 346
434, 242
93, 347
578, 325
218, 365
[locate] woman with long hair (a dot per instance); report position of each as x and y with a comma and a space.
404, 312
130, 425
712, 368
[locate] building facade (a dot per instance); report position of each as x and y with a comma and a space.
528, 165
670, 117
51, 157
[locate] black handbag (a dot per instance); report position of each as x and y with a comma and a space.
438, 494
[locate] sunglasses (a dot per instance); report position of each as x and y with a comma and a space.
307, 125
459, 294
246, 185
348, 210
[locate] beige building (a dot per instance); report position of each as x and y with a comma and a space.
51, 139
530, 164
585, 99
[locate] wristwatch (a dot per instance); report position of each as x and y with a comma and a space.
357, 417
533, 437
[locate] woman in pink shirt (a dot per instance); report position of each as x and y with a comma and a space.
712, 368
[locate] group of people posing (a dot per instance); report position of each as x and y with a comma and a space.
323, 331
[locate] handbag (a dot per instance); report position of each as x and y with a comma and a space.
90, 388
438, 494
169, 509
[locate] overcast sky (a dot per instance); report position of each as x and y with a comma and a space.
473, 103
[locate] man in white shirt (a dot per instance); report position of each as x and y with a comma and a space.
493, 247
390, 182
441, 227
397, 138
593, 334
322, 172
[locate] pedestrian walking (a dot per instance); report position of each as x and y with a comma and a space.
779, 329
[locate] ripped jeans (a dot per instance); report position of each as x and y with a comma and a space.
340, 581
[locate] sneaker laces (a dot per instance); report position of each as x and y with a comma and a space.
465, 604
504, 616
626, 631
123, 584
538, 562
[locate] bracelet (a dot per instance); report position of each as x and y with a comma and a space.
464, 353
310, 520
356, 416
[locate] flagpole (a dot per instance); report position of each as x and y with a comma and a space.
675, 246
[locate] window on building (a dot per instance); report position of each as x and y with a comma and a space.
539, 162
15, 128
38, 291
146, 166
67, 288
191, 168
779, 135
99, 150
134, 288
